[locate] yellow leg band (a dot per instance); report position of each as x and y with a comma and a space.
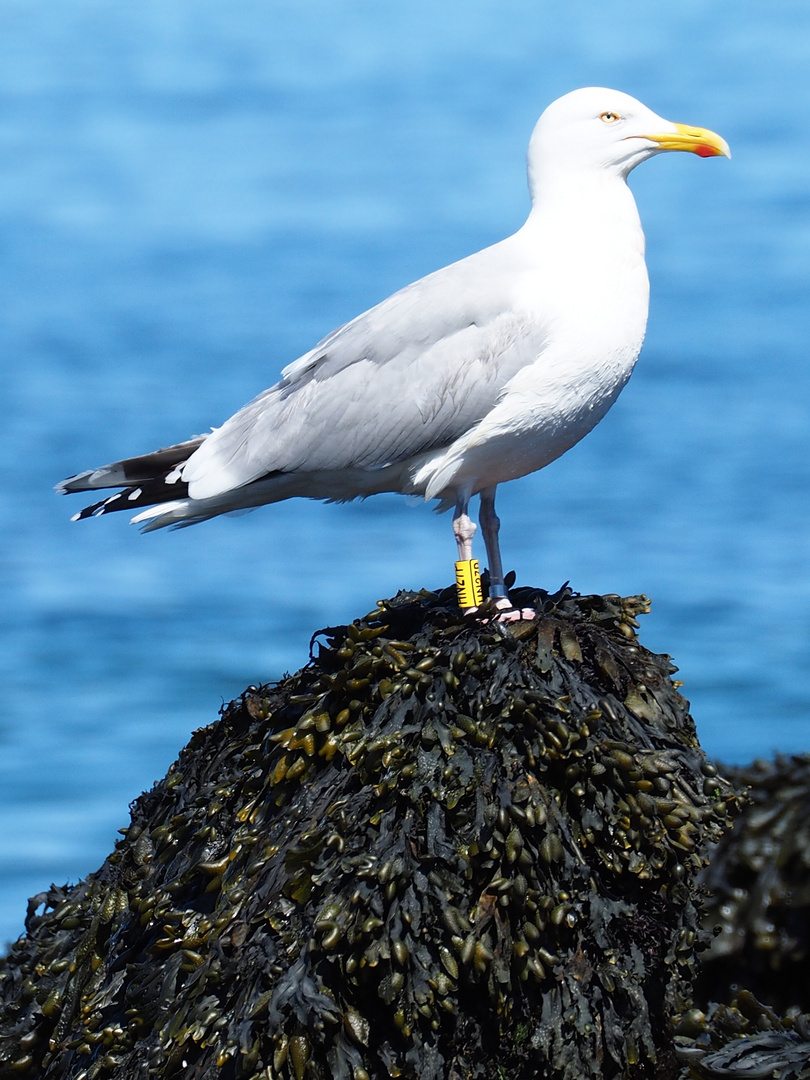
468, 583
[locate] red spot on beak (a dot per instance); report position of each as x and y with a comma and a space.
702, 150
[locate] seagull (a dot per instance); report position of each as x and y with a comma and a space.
482, 372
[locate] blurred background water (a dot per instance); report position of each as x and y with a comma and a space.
192, 193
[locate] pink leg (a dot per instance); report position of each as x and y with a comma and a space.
464, 529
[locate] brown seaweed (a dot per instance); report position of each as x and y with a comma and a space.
744, 1040
752, 997
759, 890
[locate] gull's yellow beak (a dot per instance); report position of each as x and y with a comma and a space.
698, 140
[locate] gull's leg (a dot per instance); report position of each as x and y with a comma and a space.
490, 525
468, 576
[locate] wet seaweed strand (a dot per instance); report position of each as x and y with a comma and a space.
441, 849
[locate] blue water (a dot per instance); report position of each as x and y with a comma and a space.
192, 193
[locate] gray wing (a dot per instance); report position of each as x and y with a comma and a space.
409, 375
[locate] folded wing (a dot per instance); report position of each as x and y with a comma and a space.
409, 375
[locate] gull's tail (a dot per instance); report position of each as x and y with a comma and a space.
146, 480
154, 481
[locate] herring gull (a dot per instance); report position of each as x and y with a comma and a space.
479, 373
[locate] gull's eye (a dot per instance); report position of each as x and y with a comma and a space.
609, 117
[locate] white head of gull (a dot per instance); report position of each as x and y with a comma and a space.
479, 373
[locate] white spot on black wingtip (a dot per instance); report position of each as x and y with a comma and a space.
135, 494
76, 517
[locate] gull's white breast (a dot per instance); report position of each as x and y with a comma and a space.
588, 287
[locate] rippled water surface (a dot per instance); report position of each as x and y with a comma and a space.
191, 194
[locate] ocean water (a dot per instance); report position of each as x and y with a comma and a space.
192, 193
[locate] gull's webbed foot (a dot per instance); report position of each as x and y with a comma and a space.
500, 609
509, 613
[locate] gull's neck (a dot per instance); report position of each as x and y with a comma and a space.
585, 221
585, 253
599, 197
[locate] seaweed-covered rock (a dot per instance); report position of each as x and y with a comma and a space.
759, 891
443, 849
